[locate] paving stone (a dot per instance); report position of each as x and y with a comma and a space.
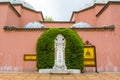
56, 78
43, 78
69, 77
37, 76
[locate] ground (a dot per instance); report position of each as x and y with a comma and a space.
37, 76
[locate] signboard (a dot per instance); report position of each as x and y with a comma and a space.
89, 56
89, 63
30, 57
89, 53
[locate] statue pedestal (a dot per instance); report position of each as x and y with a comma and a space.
53, 71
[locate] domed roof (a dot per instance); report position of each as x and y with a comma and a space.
25, 4
81, 25
34, 25
104, 1
101, 1
87, 5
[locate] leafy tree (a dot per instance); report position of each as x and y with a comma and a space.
48, 19
73, 49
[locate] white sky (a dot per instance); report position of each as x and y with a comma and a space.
59, 10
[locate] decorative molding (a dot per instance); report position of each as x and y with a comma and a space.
87, 43
57, 21
106, 28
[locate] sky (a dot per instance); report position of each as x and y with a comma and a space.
59, 10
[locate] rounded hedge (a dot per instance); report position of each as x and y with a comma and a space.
73, 49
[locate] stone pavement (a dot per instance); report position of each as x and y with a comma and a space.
37, 76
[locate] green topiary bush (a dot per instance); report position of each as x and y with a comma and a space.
73, 49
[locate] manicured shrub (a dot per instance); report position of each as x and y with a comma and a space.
73, 49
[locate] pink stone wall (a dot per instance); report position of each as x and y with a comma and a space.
74, 16
3, 13
115, 10
110, 15
98, 7
13, 47
57, 24
13, 19
87, 16
24, 42
107, 48
8, 15
106, 16
29, 16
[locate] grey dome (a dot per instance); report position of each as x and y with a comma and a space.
33, 25
25, 4
81, 25
101, 1
104, 1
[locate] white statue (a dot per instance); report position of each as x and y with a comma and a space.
59, 53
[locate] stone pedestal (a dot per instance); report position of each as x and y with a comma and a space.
53, 71
44, 71
60, 71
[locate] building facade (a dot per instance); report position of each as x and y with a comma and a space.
21, 26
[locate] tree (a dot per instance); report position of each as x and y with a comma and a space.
48, 19
73, 50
